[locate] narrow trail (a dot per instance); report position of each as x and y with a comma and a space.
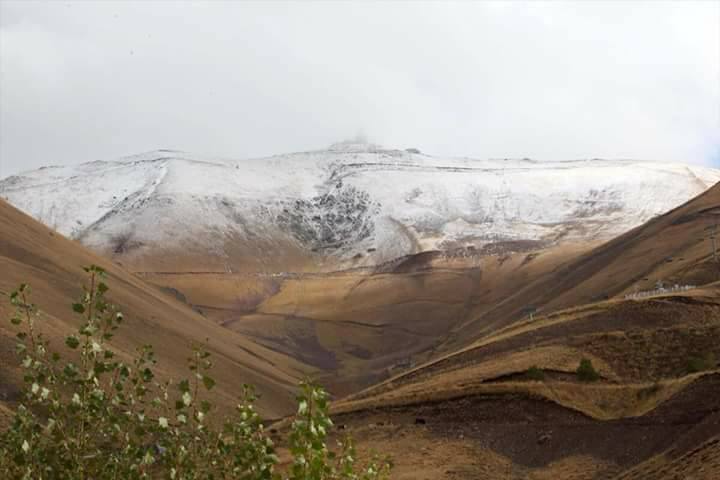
131, 201
698, 181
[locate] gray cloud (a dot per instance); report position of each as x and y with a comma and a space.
81, 81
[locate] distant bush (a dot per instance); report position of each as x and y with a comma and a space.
649, 391
100, 417
535, 373
586, 371
701, 363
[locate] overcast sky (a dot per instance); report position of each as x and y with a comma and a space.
84, 81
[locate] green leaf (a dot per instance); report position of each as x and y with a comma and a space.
208, 382
184, 386
78, 308
72, 341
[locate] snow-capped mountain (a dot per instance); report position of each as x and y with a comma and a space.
356, 203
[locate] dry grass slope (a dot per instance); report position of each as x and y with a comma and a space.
32, 253
648, 416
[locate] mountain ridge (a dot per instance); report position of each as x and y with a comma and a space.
351, 205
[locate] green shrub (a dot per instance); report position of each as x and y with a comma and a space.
586, 371
97, 416
535, 373
701, 363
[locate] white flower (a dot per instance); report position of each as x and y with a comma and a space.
25, 446
163, 422
35, 387
187, 398
44, 393
96, 347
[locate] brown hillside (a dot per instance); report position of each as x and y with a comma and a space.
675, 248
479, 412
357, 327
653, 412
52, 264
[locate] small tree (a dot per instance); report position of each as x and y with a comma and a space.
535, 373
586, 371
99, 417
701, 363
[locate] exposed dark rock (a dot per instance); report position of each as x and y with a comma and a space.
341, 217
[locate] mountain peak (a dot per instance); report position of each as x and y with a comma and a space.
359, 143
